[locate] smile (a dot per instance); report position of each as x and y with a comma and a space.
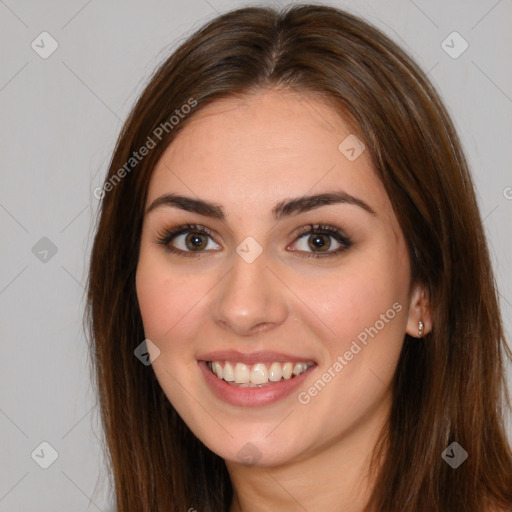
256, 379
256, 375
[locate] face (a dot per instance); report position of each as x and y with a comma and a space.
267, 284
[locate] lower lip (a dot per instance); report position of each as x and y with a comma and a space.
252, 397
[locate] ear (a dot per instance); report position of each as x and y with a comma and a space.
419, 311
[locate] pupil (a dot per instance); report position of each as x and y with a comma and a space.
318, 241
195, 241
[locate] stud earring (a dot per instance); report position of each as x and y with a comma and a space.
420, 329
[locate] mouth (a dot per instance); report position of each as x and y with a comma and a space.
257, 375
258, 379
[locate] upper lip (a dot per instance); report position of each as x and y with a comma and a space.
236, 356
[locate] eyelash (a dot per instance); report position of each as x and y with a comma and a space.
165, 237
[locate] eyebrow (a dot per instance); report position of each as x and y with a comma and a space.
282, 209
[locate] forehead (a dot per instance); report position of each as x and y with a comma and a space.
262, 148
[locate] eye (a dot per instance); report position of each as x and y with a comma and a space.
317, 241
187, 240
311, 241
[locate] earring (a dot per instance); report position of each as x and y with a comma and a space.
420, 329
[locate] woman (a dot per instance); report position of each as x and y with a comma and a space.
291, 303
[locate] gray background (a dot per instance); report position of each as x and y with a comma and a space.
60, 119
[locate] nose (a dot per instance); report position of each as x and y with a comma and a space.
250, 298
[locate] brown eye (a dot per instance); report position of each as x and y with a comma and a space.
196, 241
187, 240
192, 241
319, 242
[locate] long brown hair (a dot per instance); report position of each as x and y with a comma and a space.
449, 387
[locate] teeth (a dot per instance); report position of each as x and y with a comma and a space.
299, 368
275, 372
242, 373
217, 368
287, 370
259, 374
228, 373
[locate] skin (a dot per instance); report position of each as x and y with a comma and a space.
247, 155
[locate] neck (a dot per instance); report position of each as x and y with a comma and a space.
337, 473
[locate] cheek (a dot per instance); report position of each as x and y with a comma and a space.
173, 302
363, 301
165, 298
153, 296
168, 303
364, 306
